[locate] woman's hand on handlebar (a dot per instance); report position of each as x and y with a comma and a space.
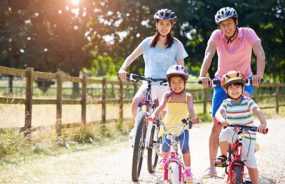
206, 81
151, 118
123, 74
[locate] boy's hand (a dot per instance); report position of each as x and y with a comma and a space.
262, 127
224, 123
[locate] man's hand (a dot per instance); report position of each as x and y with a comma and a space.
123, 74
206, 81
256, 79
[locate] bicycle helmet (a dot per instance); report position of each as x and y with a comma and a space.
165, 14
177, 70
232, 77
225, 13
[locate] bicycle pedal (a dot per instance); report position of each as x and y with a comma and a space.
221, 165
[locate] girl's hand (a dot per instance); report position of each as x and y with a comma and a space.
194, 120
123, 74
262, 127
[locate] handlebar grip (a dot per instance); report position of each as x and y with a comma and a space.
187, 122
265, 131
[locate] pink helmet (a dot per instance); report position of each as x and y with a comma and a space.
177, 70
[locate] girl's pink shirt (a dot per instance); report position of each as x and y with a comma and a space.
235, 55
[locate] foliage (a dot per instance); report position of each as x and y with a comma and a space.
52, 35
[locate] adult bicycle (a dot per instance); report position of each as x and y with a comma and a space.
145, 134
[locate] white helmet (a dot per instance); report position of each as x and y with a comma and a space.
177, 70
225, 13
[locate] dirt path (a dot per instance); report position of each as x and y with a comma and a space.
112, 164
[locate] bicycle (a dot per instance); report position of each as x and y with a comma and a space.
235, 166
146, 134
216, 82
174, 167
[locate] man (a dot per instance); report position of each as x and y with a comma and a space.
234, 46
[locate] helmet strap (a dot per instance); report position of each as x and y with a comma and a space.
234, 98
231, 37
179, 92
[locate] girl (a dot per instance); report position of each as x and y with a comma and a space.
179, 105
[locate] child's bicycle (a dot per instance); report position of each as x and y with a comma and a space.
174, 166
146, 134
235, 166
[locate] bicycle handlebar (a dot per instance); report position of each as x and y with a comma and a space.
216, 82
251, 128
136, 78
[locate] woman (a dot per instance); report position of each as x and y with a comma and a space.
160, 51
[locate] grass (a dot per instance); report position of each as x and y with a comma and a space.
15, 148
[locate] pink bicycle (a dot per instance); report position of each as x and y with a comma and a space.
174, 166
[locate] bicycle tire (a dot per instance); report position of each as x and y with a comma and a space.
138, 146
237, 175
152, 156
173, 173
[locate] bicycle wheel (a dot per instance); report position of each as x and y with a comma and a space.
152, 155
237, 175
138, 146
173, 173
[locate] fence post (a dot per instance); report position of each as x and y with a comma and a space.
255, 93
10, 85
58, 104
104, 91
84, 101
28, 102
205, 90
121, 101
277, 96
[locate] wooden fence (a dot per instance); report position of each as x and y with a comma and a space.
29, 74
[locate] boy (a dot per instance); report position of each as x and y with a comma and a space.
238, 109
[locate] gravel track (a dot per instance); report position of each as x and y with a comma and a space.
112, 163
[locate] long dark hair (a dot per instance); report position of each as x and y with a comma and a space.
169, 40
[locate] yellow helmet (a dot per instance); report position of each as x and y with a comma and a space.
232, 77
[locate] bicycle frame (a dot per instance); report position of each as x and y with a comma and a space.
234, 158
174, 156
149, 103
235, 153
144, 132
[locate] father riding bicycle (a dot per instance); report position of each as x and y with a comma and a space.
234, 46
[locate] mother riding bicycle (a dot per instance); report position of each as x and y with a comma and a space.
160, 51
